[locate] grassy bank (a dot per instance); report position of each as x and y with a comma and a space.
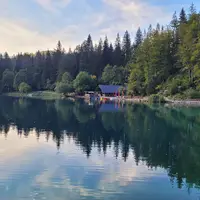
48, 95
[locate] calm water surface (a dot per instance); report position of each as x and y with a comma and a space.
59, 150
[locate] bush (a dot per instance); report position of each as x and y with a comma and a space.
20, 77
50, 86
177, 85
192, 94
174, 87
83, 82
63, 88
24, 87
179, 96
155, 98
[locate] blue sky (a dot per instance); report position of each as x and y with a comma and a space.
30, 25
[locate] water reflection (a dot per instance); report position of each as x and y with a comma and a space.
140, 137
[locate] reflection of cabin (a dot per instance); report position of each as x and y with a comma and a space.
109, 90
111, 107
90, 95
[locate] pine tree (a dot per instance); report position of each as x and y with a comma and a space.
100, 46
99, 59
39, 62
18, 63
174, 22
84, 59
7, 63
138, 39
192, 9
70, 50
1, 68
111, 54
182, 17
47, 72
149, 31
118, 52
90, 55
189, 40
86, 55
126, 48
158, 28
56, 59
106, 53
90, 47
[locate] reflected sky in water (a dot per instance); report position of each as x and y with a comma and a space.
87, 154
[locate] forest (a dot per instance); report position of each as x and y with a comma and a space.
160, 60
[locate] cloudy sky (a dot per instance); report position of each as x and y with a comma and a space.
30, 25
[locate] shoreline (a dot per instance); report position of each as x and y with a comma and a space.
45, 95
53, 95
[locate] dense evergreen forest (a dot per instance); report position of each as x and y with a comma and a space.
164, 59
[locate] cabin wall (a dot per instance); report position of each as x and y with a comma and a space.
109, 94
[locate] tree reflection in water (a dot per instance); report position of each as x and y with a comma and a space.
158, 135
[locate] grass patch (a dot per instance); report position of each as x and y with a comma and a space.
48, 95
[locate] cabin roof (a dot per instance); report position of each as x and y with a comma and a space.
109, 88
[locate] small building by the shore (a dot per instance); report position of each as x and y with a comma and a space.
90, 95
110, 90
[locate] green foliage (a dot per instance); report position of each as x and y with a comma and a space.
94, 83
7, 80
192, 94
176, 85
126, 48
83, 82
114, 75
20, 77
0, 86
154, 98
167, 61
36, 84
117, 54
152, 63
63, 88
136, 81
24, 87
66, 78
50, 86
160, 60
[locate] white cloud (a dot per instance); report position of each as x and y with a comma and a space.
53, 5
116, 16
131, 14
18, 37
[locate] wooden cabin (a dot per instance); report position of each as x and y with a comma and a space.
110, 90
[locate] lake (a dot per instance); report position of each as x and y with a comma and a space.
73, 150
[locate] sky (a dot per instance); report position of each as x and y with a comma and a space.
31, 25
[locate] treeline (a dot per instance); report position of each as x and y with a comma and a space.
167, 60
46, 70
160, 60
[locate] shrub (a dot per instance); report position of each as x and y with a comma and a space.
20, 77
192, 94
179, 96
177, 85
155, 98
50, 86
24, 87
63, 88
83, 82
